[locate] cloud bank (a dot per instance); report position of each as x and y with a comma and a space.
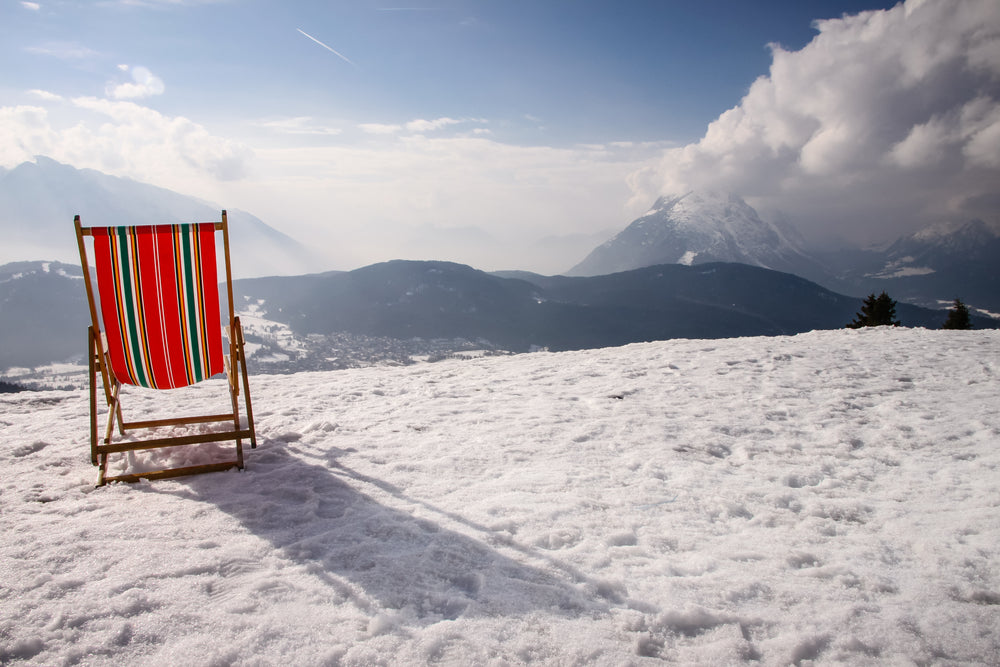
423, 189
124, 139
886, 122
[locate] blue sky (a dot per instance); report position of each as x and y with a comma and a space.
494, 133
541, 71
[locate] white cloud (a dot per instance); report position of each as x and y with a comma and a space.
24, 133
33, 6
125, 139
303, 125
45, 95
980, 133
379, 128
420, 125
144, 84
886, 120
151, 145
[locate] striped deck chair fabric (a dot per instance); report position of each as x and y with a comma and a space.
159, 300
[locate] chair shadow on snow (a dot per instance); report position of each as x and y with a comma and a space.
383, 558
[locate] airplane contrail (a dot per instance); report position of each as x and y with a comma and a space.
333, 51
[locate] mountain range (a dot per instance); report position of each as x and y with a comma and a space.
43, 313
39, 199
519, 311
697, 265
929, 268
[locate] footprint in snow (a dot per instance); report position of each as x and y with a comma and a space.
27, 450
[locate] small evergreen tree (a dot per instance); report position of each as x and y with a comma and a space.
876, 311
958, 317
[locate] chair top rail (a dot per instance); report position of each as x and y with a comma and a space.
88, 231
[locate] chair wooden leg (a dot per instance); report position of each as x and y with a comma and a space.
113, 410
120, 418
236, 425
246, 397
92, 372
102, 470
246, 383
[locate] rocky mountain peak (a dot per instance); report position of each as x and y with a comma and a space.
693, 228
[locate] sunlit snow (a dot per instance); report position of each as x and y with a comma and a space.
832, 496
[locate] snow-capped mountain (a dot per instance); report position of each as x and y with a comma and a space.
695, 228
930, 267
39, 199
940, 246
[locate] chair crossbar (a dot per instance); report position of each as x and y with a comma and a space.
167, 473
177, 421
158, 443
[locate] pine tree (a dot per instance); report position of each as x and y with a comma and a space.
876, 311
958, 317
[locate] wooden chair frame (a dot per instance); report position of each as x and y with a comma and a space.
99, 362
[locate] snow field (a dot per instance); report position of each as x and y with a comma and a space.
828, 497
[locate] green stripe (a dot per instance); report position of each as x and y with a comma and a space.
130, 308
192, 307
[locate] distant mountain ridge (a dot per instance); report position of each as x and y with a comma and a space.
519, 310
39, 199
931, 267
43, 312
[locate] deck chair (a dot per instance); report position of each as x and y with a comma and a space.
154, 324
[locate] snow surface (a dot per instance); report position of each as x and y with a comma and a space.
829, 497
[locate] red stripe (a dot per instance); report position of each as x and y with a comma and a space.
105, 262
216, 362
172, 333
151, 306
